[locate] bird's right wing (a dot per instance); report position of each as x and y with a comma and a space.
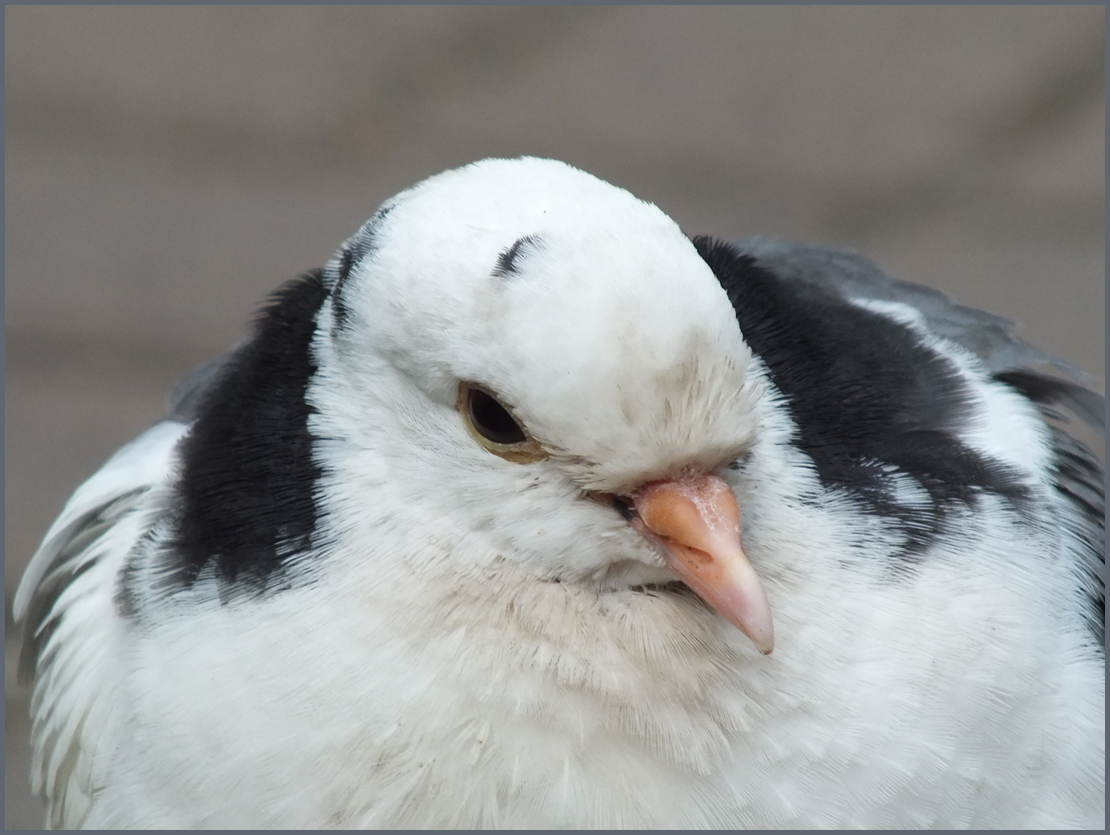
67, 605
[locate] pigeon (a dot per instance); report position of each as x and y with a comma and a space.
529, 510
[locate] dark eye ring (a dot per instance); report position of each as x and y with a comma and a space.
491, 423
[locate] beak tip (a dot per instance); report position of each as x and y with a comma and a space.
765, 642
696, 521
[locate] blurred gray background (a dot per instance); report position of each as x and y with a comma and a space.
167, 167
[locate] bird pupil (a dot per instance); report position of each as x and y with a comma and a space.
492, 420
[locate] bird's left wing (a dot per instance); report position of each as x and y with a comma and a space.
1065, 394
66, 603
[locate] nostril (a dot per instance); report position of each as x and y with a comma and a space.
622, 505
624, 508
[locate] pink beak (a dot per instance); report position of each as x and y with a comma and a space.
697, 522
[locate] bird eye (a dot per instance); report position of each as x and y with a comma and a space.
492, 425
492, 420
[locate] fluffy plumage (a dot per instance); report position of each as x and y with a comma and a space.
311, 597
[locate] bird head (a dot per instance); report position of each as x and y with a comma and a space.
544, 372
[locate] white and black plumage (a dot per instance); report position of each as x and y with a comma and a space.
408, 555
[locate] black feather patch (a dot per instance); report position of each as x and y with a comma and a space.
248, 474
506, 261
354, 250
871, 402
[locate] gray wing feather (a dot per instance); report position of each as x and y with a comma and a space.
185, 398
64, 558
